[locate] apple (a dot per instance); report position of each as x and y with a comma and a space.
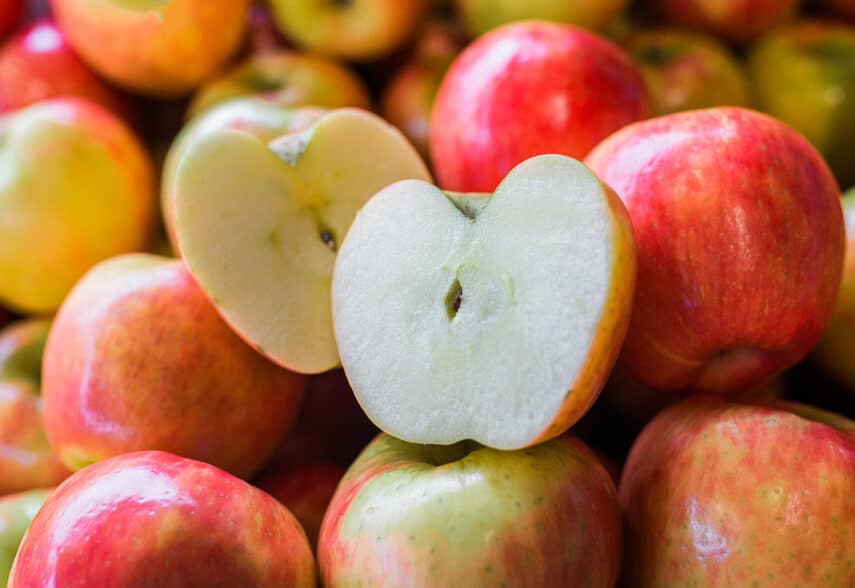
496, 317
150, 518
26, 459
16, 514
285, 78
262, 34
480, 16
157, 48
574, 89
688, 71
139, 359
364, 30
38, 63
723, 494
803, 75
259, 224
739, 230
463, 515
11, 12
77, 188
736, 21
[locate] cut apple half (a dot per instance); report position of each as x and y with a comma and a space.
259, 224
492, 318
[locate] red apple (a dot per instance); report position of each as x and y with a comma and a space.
138, 358
717, 494
527, 89
734, 20
154, 519
739, 230
11, 12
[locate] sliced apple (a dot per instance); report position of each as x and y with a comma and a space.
493, 318
259, 224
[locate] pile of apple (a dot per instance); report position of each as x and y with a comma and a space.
576, 307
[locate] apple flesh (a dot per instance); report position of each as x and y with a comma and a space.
16, 513
154, 519
462, 515
494, 318
739, 230
736, 21
259, 224
480, 16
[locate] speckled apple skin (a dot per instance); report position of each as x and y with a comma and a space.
529, 89
717, 494
734, 20
151, 519
739, 236
541, 517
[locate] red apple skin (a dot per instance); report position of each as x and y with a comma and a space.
717, 494
739, 234
138, 358
11, 12
574, 89
736, 21
38, 63
154, 519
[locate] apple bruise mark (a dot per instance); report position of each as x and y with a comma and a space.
453, 299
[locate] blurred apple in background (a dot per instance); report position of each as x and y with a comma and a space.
574, 87
16, 513
737, 21
154, 519
138, 358
687, 71
11, 12
262, 35
804, 74
93, 200
844, 8
157, 48
480, 16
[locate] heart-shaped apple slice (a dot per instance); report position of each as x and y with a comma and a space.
258, 224
494, 318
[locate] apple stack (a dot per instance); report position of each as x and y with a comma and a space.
542, 321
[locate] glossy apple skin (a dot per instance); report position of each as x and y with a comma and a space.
16, 514
736, 21
803, 75
164, 52
574, 87
480, 16
739, 235
138, 358
426, 515
150, 518
11, 12
38, 63
718, 494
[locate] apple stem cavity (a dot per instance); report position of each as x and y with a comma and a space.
454, 299
329, 240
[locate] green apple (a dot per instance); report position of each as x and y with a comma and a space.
488, 317
16, 513
480, 16
259, 224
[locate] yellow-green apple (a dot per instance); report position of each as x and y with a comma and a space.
259, 224
804, 74
159, 48
26, 459
285, 78
836, 350
16, 513
464, 515
480, 16
362, 30
843, 8
528, 89
686, 71
736, 21
739, 230
76, 189
151, 518
11, 12
496, 317
138, 358
38, 63
720, 494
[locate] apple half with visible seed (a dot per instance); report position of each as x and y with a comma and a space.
493, 318
258, 224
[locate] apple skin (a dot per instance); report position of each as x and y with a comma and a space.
11, 12
688, 71
138, 358
38, 64
739, 234
16, 514
480, 16
803, 75
154, 519
461, 515
719, 494
162, 51
736, 21
93, 201
575, 88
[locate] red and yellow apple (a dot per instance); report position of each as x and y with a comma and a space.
480, 16
16, 513
736, 21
